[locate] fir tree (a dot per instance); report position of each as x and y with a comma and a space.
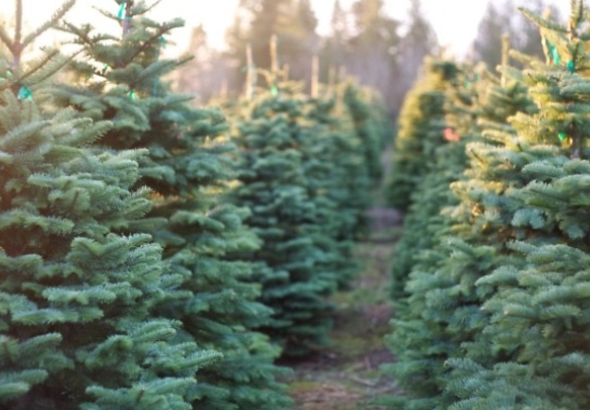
285, 182
421, 132
442, 319
78, 327
370, 122
538, 329
338, 170
432, 194
213, 294
419, 340
335, 147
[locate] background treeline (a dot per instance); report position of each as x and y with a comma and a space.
363, 41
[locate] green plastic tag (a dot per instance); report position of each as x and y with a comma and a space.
25, 93
121, 12
555, 54
571, 66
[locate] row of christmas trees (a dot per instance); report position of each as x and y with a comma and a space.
154, 255
491, 279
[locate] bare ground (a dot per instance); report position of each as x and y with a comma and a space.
346, 375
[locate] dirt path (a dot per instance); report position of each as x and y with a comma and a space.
346, 375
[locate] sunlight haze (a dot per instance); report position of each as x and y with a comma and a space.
455, 21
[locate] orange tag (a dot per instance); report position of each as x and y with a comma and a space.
451, 136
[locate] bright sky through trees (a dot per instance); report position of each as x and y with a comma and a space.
455, 21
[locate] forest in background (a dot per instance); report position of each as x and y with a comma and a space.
363, 41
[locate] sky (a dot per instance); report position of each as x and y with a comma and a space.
455, 21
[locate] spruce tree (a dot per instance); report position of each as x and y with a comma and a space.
78, 327
188, 167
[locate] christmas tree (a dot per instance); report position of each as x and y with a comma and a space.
295, 270
421, 131
432, 194
288, 183
441, 319
337, 172
213, 293
537, 333
78, 327
370, 123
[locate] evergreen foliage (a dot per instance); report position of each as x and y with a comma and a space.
420, 340
371, 125
305, 177
336, 147
440, 322
78, 297
296, 271
211, 291
495, 313
537, 330
78, 327
151, 260
423, 220
421, 131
